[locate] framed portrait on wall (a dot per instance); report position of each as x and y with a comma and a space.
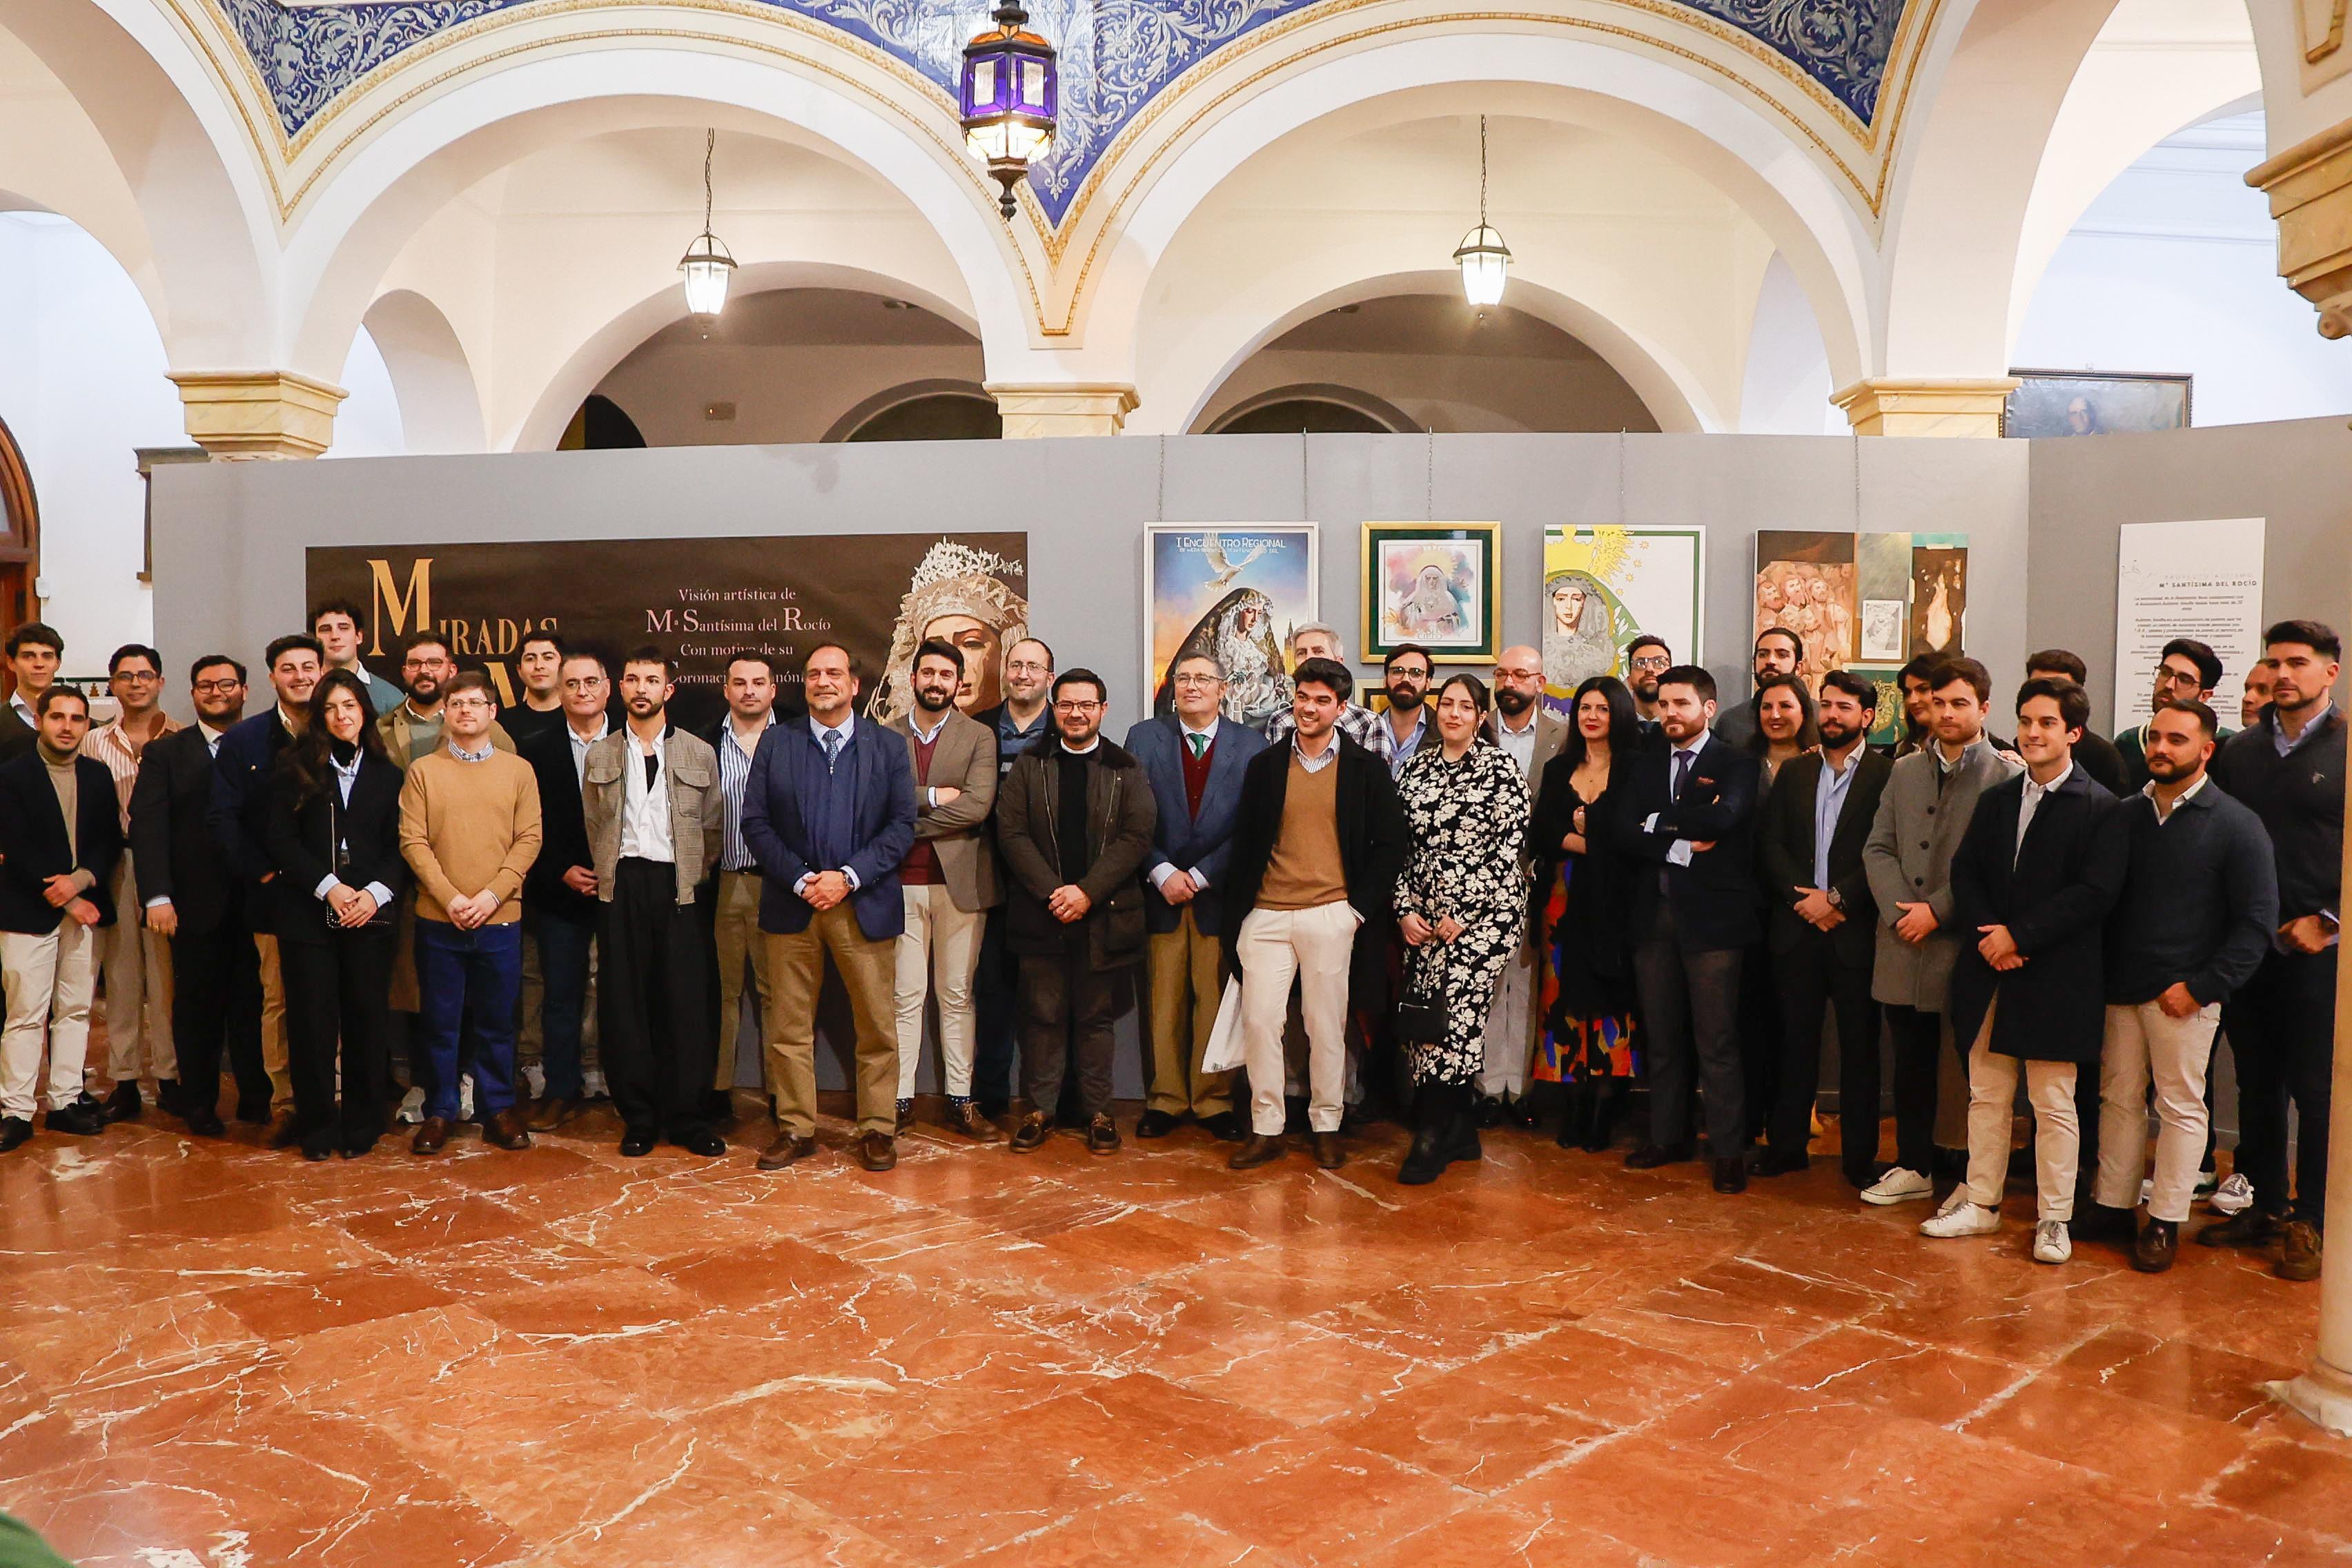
2048, 403
1436, 583
1603, 587
1235, 590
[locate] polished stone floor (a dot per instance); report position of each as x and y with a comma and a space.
212, 1356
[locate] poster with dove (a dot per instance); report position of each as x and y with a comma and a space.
1233, 590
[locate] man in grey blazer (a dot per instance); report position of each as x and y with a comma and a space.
1194, 760
1922, 816
949, 882
1531, 738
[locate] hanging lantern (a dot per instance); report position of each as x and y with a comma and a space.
1483, 256
1009, 94
707, 264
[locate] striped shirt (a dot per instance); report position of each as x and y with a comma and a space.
734, 774
109, 745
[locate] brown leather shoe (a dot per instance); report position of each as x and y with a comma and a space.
878, 1150
1102, 1135
1031, 1135
506, 1130
2299, 1257
1328, 1155
552, 1112
1259, 1151
2153, 1251
284, 1131
2248, 1227
432, 1136
785, 1151
967, 1119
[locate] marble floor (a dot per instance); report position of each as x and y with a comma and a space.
212, 1356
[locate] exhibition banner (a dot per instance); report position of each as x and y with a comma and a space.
2200, 578
701, 600
1234, 590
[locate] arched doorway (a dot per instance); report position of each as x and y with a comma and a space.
20, 547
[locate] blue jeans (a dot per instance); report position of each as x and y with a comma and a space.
470, 977
563, 949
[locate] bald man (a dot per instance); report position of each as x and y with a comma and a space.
1531, 738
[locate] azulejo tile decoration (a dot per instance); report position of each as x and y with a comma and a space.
1117, 55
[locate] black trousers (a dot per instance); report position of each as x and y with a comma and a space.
1067, 1008
2282, 1029
655, 1007
996, 1014
1917, 1034
216, 1006
1762, 1048
1690, 1001
1811, 981
335, 992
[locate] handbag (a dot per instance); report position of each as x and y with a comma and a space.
382, 918
1421, 1012
1223, 1051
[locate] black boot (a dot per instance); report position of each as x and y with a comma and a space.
1603, 1129
1576, 1120
1464, 1145
1432, 1126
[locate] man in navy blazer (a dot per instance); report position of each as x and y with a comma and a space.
1691, 823
1194, 761
829, 813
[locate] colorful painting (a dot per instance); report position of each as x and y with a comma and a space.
1436, 583
1604, 587
1887, 724
1940, 593
1234, 591
1807, 585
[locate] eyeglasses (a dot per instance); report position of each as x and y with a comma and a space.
456, 702
228, 684
589, 683
136, 674
2187, 680
1197, 679
1072, 706
1652, 661
1028, 666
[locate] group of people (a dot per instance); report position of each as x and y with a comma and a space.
1457, 904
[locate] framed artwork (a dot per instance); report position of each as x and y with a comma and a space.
1808, 585
1436, 583
1939, 592
1604, 587
2078, 403
1235, 590
1886, 722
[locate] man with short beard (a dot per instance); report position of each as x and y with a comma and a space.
1647, 656
1531, 739
1778, 652
412, 728
134, 958
1406, 673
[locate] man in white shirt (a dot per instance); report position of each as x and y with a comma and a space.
35, 653
560, 907
135, 957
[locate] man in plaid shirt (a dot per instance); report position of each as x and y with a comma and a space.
136, 961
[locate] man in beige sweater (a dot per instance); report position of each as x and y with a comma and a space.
469, 829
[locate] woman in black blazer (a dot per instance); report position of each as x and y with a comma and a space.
334, 833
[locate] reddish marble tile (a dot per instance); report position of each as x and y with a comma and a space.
1316, 1500
337, 1297
1312, 1376
707, 1509
1923, 1382
1616, 1381
2176, 1374
778, 1273
1468, 1431
434, 1222
1130, 1531
124, 1342
1672, 1505
616, 1302
1496, 1537
2300, 1484
2204, 1537
2166, 1452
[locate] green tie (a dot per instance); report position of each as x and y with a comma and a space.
1200, 744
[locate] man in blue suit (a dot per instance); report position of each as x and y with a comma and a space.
829, 813
1194, 761
1690, 821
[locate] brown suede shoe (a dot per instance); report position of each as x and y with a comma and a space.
552, 1112
432, 1136
785, 1151
1329, 1154
2157, 1243
1259, 1151
506, 1130
284, 1133
2248, 1227
1102, 1135
967, 1119
2299, 1257
1031, 1135
878, 1150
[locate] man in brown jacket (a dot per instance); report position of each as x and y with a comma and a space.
469, 829
1074, 824
949, 882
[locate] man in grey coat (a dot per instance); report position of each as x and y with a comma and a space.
1923, 814
949, 882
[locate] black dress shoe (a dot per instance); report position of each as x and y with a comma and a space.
1225, 1127
701, 1141
1330, 1153
636, 1142
204, 1123
167, 1096
905, 1123
1778, 1162
1154, 1124
2248, 1227
76, 1118
14, 1132
359, 1148
253, 1112
2104, 1221
1031, 1135
318, 1150
1731, 1174
718, 1106
1102, 1135
1490, 1112
123, 1104
1650, 1156
2154, 1250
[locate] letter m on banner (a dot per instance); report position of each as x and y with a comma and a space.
410, 611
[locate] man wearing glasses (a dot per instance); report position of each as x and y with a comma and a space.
1647, 656
2186, 672
1074, 820
412, 727
1019, 720
134, 955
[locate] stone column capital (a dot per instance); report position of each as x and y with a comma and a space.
242, 414
2310, 191
1062, 408
1926, 406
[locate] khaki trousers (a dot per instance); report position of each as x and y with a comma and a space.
797, 973
2057, 1132
936, 957
2142, 1042
49, 980
1314, 946
137, 963
1509, 1040
735, 931
1187, 981
273, 1024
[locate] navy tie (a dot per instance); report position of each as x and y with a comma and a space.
832, 747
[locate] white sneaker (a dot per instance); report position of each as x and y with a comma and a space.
2147, 1190
465, 1098
1960, 1216
2051, 1242
2207, 1180
412, 1107
1899, 1185
2235, 1195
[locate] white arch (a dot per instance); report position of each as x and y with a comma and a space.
1781, 185
440, 407
391, 186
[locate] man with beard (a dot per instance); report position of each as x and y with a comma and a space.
539, 665
1531, 739
1019, 721
948, 881
1779, 651
1358, 722
1647, 656
136, 965
653, 811
412, 728
1406, 673
560, 902
1075, 825
1818, 934
749, 684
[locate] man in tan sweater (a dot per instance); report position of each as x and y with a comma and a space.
469, 829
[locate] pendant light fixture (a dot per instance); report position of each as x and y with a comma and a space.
1483, 256
1009, 91
707, 265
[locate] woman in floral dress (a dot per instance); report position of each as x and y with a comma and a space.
1460, 902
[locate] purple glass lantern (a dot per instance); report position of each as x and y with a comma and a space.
1010, 94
